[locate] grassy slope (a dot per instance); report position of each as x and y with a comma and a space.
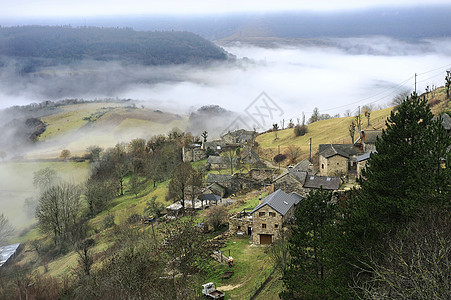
335, 130
79, 126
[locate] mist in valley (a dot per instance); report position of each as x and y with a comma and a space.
340, 77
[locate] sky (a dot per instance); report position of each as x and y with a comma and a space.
80, 8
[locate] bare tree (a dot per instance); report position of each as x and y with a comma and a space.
352, 127
59, 211
216, 216
6, 230
280, 251
180, 180
367, 109
448, 83
232, 158
417, 263
293, 152
45, 178
398, 99
65, 154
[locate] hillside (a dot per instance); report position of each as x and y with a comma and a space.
36, 47
78, 125
336, 130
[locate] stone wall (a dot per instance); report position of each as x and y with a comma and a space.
288, 184
193, 154
240, 224
272, 224
336, 165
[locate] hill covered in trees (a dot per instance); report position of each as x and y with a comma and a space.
41, 46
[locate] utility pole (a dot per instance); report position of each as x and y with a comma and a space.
358, 119
310, 149
279, 158
415, 83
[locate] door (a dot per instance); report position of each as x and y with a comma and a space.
249, 230
265, 239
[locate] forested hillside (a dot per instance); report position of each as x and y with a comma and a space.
54, 45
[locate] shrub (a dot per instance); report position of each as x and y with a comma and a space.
279, 157
300, 130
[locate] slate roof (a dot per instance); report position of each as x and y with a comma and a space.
219, 178
279, 201
365, 156
327, 182
188, 204
6, 252
446, 121
370, 136
298, 175
345, 150
303, 165
210, 197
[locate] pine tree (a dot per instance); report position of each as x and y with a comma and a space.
403, 174
306, 276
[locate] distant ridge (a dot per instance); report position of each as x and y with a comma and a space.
42, 46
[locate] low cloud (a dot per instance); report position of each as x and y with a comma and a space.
297, 78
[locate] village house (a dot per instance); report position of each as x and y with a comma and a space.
241, 223
328, 183
220, 181
341, 159
361, 162
239, 136
338, 159
271, 215
367, 140
302, 178
175, 209
194, 152
446, 122
220, 162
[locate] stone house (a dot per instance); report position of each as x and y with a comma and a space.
239, 136
338, 159
446, 122
220, 162
361, 162
224, 181
367, 140
193, 152
241, 223
271, 215
314, 182
290, 181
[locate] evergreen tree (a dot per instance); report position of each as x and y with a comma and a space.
308, 274
405, 171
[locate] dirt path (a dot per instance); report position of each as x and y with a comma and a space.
230, 287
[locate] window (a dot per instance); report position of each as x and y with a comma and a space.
261, 214
271, 214
276, 225
322, 166
263, 225
239, 227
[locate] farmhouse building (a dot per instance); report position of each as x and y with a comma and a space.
338, 159
271, 215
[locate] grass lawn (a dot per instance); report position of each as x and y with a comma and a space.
251, 264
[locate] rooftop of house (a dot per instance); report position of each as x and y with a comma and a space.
369, 136
345, 150
6, 252
188, 204
365, 156
279, 201
326, 182
446, 121
219, 178
210, 197
298, 175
